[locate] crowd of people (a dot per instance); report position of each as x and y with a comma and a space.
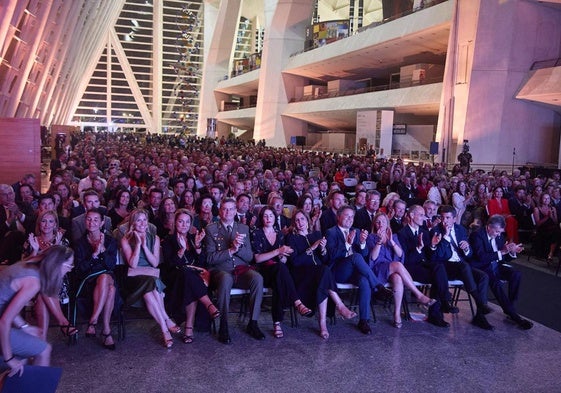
192, 218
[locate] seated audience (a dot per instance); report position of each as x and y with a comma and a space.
47, 234
184, 271
229, 256
306, 204
449, 246
547, 228
386, 260
415, 242
141, 251
96, 252
203, 207
491, 252
165, 222
347, 250
91, 201
309, 267
121, 209
499, 205
398, 220
271, 254
521, 206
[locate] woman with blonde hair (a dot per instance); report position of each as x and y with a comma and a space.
141, 252
386, 260
48, 234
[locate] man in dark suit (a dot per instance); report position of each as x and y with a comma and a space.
449, 245
229, 255
415, 242
243, 214
364, 216
328, 219
283, 222
347, 249
292, 193
491, 251
521, 207
407, 191
154, 200
397, 222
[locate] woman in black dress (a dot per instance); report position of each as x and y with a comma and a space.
96, 252
308, 265
271, 255
182, 254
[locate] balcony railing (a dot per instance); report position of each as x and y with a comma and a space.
363, 90
424, 5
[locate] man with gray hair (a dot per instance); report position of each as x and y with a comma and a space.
491, 252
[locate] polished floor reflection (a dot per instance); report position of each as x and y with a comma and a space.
417, 358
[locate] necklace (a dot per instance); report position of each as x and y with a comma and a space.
44, 244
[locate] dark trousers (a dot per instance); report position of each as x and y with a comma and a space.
475, 280
277, 277
498, 273
353, 269
435, 275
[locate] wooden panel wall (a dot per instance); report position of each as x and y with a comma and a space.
20, 149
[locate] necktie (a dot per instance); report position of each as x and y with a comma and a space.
494, 244
229, 228
350, 249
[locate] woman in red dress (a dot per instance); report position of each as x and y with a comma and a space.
499, 205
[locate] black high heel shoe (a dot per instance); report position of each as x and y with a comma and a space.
69, 330
188, 339
216, 313
111, 347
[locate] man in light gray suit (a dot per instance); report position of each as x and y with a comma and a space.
229, 255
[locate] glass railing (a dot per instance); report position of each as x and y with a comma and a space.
423, 5
363, 90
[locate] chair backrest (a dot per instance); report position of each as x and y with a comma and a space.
257, 208
369, 185
350, 182
288, 210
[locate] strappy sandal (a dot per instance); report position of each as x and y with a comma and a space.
215, 314
69, 330
91, 325
303, 310
173, 329
111, 347
188, 339
277, 330
344, 312
168, 342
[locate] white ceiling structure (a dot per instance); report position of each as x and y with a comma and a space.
54, 52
